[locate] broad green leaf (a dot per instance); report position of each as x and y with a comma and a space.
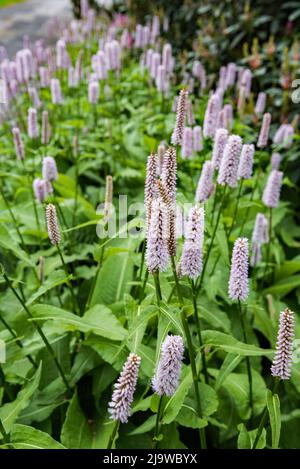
58, 277
25, 437
76, 432
175, 402
230, 344
246, 438
273, 404
113, 279
172, 314
229, 364
284, 286
99, 320
10, 412
148, 425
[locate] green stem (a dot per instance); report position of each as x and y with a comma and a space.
198, 326
268, 245
235, 209
264, 417
211, 241
74, 302
18, 342
40, 332
5, 435
113, 435
248, 364
144, 286
194, 374
179, 294
99, 265
12, 217
158, 420
157, 286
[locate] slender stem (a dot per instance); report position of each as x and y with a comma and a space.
5, 435
251, 198
198, 326
179, 294
30, 182
235, 209
212, 241
157, 286
194, 374
40, 331
248, 364
12, 217
214, 205
99, 265
264, 416
18, 342
158, 420
268, 245
74, 302
171, 293
113, 435
144, 286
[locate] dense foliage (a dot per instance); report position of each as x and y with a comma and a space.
72, 310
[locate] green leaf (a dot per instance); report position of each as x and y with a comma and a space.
99, 320
10, 412
175, 402
25, 437
148, 425
171, 314
76, 432
113, 279
229, 364
273, 404
284, 286
246, 438
230, 344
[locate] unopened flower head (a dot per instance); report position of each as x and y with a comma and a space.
187, 143
32, 124
282, 362
211, 116
238, 288
271, 194
166, 378
275, 161
246, 162
230, 161
124, 388
49, 169
18, 142
205, 185
177, 135
264, 131
191, 259
157, 255
52, 224
220, 141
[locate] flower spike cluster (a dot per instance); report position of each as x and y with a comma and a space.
166, 378
282, 362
